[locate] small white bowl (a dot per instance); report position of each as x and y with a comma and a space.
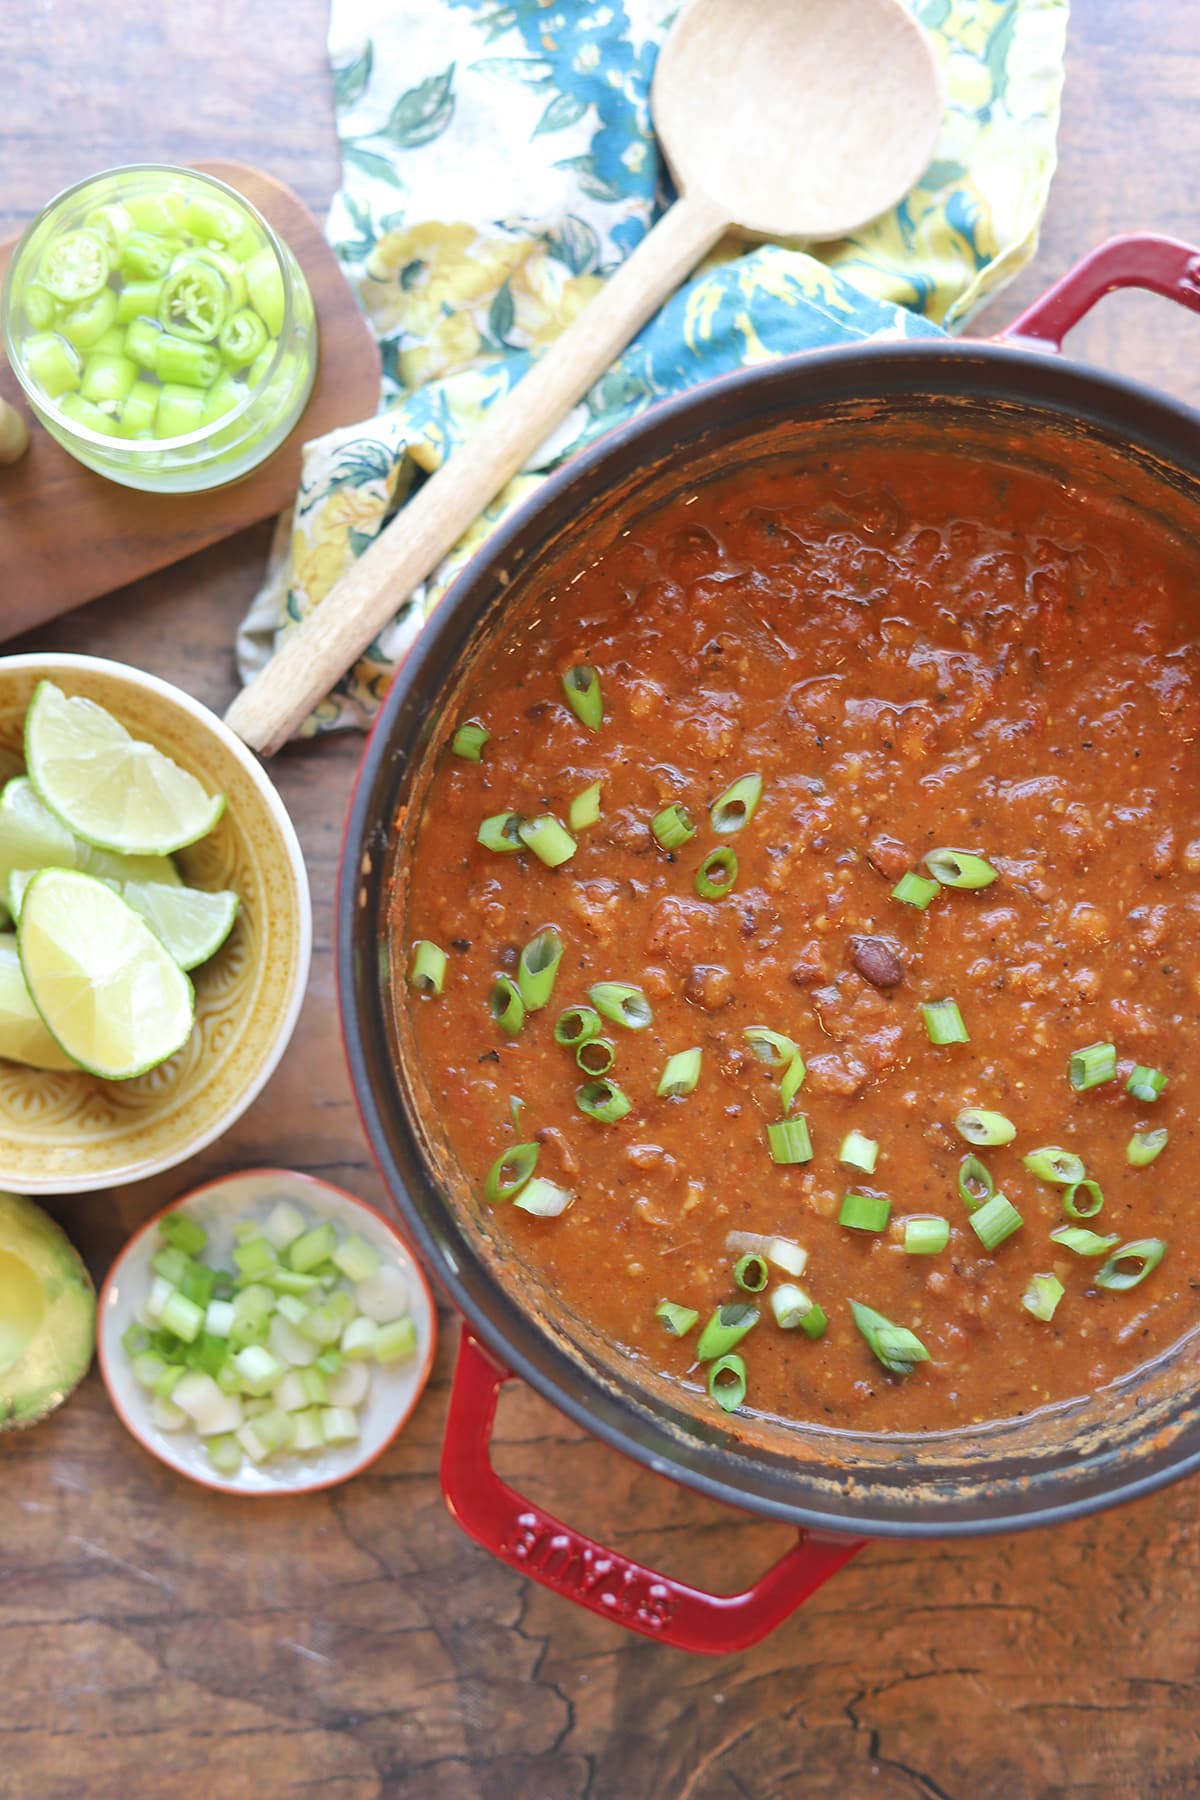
218, 1206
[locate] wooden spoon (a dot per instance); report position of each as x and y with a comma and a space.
779, 118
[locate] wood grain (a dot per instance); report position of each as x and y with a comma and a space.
156, 1641
69, 534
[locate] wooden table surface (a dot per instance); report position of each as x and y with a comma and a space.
156, 1640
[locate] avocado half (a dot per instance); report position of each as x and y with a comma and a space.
47, 1314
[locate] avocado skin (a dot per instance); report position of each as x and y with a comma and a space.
59, 1354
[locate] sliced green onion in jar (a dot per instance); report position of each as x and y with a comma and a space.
543, 1199
897, 1348
501, 832
859, 1152
673, 827
995, 1221
981, 1127
726, 1329
623, 1004
793, 1081
1145, 1083
506, 1005
793, 1309
944, 1022
737, 805
717, 873
677, 1320
770, 1047
1144, 1146
1042, 1296
577, 1026
1083, 1200
680, 1075
1092, 1066
596, 1056
914, 890
584, 809
428, 970
510, 1172
865, 1212
727, 1382
1130, 1264
581, 685
788, 1140
537, 969
548, 838
959, 869
603, 1100
1082, 1242
751, 1273
926, 1236
1052, 1163
470, 740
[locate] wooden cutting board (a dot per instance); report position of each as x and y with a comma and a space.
68, 534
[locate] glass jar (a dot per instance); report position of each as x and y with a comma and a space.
162, 332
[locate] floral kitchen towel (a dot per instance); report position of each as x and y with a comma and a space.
499, 161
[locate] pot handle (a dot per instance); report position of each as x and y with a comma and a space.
536, 1544
1143, 260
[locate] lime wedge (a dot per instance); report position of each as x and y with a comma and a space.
191, 923
106, 988
23, 1037
32, 838
111, 789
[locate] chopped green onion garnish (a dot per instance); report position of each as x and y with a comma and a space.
544, 1199
1083, 1200
680, 1075
1091, 1066
673, 827
677, 1320
897, 1348
506, 1005
501, 832
995, 1221
468, 742
1144, 1146
865, 1212
926, 1236
510, 1172
549, 840
584, 809
623, 1004
792, 1307
538, 968
736, 806
944, 1022
981, 1127
603, 1100
914, 890
577, 1025
726, 1329
184, 1233
770, 1047
789, 1141
959, 869
1146, 1084
859, 1152
581, 685
751, 1273
1051, 1163
596, 1056
1144, 1255
1081, 1241
727, 1382
1042, 1296
793, 1081
717, 873
428, 970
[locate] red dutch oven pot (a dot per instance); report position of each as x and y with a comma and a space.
839, 1488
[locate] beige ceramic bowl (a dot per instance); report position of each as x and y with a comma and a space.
70, 1133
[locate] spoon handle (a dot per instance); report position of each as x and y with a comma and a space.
321, 649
